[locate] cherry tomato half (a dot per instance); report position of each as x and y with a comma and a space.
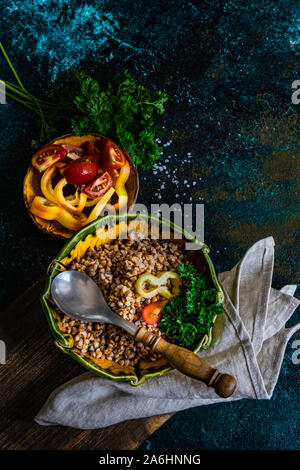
152, 312
113, 157
47, 156
83, 159
92, 149
82, 172
99, 185
93, 157
87, 158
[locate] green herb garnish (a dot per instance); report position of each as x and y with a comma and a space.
192, 313
123, 111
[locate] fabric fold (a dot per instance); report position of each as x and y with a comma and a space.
249, 342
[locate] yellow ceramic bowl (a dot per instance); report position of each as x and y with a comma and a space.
32, 186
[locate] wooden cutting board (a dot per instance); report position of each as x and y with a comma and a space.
34, 368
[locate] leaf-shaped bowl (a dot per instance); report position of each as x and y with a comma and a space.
97, 233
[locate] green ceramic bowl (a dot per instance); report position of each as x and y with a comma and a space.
98, 232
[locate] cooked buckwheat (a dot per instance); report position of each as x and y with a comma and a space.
115, 267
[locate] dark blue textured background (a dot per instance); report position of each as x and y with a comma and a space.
231, 142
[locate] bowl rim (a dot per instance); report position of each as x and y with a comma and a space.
62, 340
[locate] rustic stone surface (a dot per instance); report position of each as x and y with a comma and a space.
231, 142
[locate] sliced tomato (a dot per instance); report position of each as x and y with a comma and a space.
152, 312
80, 173
73, 152
47, 156
92, 149
113, 173
99, 185
113, 157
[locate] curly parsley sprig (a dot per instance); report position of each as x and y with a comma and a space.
192, 313
123, 111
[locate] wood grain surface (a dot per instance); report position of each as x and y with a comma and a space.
34, 368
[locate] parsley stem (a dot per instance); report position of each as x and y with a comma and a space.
28, 96
11, 66
15, 89
28, 105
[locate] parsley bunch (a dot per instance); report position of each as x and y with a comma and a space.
190, 314
122, 111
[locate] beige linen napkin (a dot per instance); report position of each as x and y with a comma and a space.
249, 343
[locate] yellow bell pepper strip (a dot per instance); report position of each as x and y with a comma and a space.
74, 198
100, 205
48, 210
113, 173
157, 285
46, 184
47, 187
120, 187
63, 202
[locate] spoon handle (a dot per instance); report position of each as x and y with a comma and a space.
188, 363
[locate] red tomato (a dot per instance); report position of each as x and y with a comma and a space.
99, 185
90, 158
113, 157
47, 156
82, 172
85, 158
92, 149
93, 157
152, 312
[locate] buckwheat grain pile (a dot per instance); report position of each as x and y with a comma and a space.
115, 267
